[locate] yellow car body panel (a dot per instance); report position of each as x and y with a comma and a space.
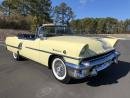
111, 41
69, 47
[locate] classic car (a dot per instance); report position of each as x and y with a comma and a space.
68, 55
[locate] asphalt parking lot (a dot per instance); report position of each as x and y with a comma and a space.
28, 79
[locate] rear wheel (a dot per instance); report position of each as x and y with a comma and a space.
60, 71
17, 57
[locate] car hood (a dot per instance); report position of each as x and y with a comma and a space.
82, 47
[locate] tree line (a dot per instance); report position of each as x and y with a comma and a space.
101, 25
29, 14
33, 13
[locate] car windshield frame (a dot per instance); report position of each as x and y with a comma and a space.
49, 31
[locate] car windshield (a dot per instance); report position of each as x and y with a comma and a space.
55, 31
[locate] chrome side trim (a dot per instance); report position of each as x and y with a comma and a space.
12, 46
54, 53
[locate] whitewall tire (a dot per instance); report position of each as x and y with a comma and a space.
16, 56
60, 71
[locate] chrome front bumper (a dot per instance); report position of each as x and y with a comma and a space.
93, 66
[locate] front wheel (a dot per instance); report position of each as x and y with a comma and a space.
60, 71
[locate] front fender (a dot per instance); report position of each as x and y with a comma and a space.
111, 41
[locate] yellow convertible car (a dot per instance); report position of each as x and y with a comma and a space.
69, 56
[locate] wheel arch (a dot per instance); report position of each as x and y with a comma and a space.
51, 58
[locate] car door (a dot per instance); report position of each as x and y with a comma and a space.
45, 51
30, 49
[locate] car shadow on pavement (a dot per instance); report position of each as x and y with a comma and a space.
108, 76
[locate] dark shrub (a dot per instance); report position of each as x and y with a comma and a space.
15, 22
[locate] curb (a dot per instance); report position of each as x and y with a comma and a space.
119, 38
112, 37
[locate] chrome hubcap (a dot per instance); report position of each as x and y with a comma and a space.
15, 55
59, 68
